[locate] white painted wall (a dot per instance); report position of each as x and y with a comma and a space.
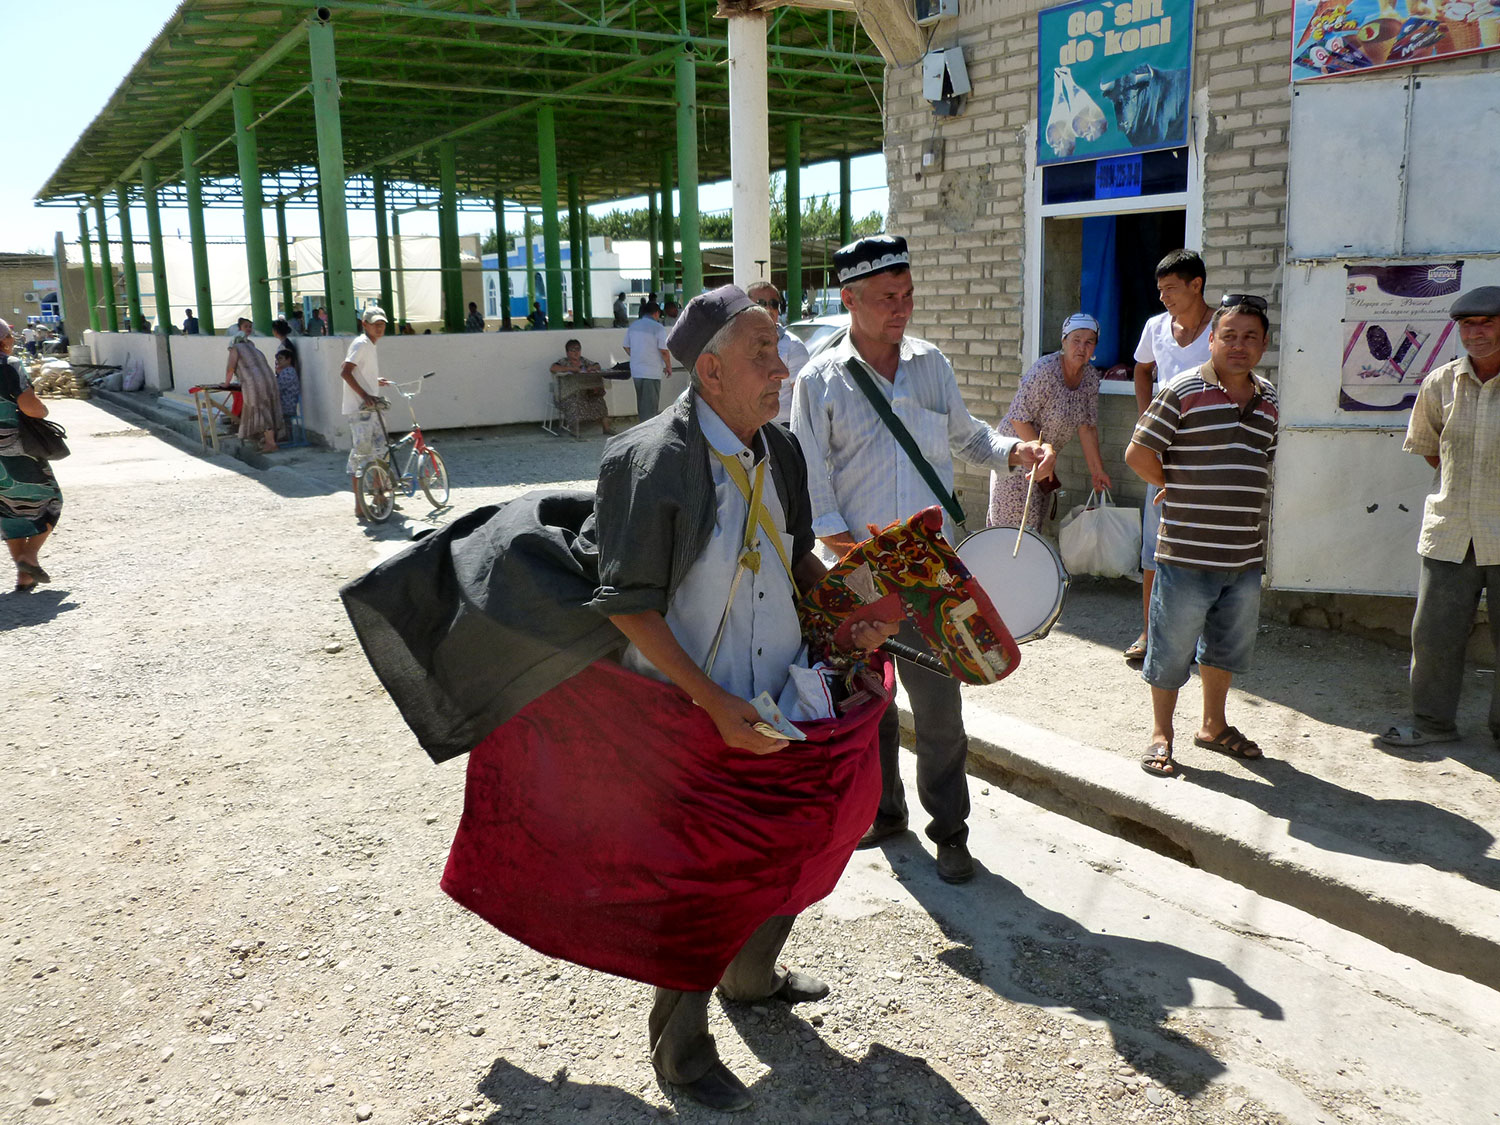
483, 379
114, 348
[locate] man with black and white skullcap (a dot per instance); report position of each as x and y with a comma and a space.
858, 475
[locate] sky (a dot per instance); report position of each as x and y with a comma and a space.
72, 54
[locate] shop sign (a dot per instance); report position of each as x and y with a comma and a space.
1352, 36
1115, 77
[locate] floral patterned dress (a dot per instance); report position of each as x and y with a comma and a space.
1046, 402
30, 501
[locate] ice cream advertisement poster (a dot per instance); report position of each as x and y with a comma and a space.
1115, 78
1396, 330
1333, 37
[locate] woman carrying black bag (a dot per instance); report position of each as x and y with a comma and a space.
30, 501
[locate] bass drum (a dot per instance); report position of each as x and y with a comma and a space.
1028, 590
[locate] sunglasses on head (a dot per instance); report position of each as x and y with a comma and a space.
1230, 300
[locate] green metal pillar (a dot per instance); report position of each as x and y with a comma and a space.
448, 256
195, 229
654, 221
575, 249
325, 92
89, 292
502, 251
400, 271
687, 174
382, 244
668, 229
793, 219
546, 143
127, 260
588, 268
111, 313
284, 258
846, 210
322, 243
158, 255
530, 267
255, 231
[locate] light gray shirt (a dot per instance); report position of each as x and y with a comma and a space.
856, 473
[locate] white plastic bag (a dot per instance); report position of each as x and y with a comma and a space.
1088, 119
132, 375
1060, 133
1100, 538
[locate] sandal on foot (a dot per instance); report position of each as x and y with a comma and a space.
1158, 761
1137, 651
1415, 736
37, 573
1230, 741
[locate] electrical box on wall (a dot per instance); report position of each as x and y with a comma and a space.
935, 11
945, 80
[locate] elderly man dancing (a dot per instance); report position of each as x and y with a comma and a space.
641, 817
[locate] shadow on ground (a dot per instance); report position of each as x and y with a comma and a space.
1034, 955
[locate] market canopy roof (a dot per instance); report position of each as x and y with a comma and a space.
413, 73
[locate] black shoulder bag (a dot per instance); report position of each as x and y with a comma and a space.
40, 438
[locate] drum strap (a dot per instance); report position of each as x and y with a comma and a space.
908, 443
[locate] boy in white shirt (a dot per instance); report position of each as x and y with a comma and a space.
1172, 342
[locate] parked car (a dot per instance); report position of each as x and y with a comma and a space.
820, 332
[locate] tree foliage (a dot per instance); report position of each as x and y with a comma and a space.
820, 220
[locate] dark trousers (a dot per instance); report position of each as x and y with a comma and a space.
942, 750
1447, 597
682, 1050
647, 398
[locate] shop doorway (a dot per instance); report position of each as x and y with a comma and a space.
1104, 265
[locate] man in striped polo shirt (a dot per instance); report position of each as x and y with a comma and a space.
1206, 442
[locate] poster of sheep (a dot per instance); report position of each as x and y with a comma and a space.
1115, 78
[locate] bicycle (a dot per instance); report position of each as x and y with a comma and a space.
423, 467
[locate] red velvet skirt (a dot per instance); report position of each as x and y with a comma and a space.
607, 824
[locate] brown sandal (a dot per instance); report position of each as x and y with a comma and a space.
1158, 761
1230, 741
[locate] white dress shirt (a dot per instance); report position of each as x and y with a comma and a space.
856, 473
763, 636
793, 353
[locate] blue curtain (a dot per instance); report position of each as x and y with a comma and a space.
1100, 288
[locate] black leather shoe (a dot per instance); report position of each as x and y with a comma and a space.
954, 864
881, 830
799, 988
719, 1090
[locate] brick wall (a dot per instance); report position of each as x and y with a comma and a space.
967, 224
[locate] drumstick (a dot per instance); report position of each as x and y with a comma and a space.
1025, 511
916, 656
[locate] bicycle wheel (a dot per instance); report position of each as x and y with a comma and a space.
377, 491
432, 475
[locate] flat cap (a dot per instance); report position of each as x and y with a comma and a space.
869, 256
701, 320
1484, 301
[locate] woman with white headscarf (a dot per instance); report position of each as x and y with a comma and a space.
261, 416
1058, 397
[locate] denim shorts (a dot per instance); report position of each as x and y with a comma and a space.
1150, 525
1217, 609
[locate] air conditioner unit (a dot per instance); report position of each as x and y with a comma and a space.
29, 298
930, 12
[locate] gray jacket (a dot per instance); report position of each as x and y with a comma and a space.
469, 625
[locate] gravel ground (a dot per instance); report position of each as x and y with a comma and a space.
219, 899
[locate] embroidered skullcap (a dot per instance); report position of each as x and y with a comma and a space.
701, 320
869, 256
1077, 321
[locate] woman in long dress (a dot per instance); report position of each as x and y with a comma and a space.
261, 417
1057, 398
30, 501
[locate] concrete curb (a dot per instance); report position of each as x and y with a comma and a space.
147, 406
1435, 917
